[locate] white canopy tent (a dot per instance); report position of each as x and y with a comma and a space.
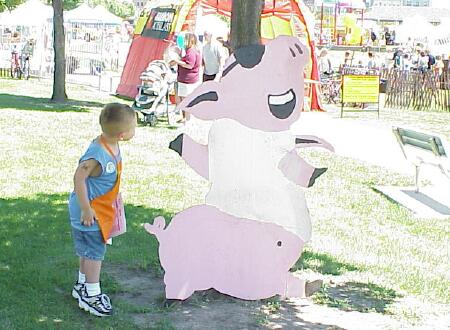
86, 14
30, 13
107, 17
29, 21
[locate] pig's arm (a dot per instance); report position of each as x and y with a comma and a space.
194, 154
298, 170
309, 141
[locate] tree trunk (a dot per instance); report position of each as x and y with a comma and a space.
59, 74
246, 22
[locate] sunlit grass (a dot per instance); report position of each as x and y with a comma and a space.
357, 233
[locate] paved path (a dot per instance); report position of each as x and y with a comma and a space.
369, 141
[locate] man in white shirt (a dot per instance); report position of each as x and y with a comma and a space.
213, 58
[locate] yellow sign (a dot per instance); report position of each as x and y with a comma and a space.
360, 89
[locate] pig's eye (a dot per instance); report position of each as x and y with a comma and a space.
279, 243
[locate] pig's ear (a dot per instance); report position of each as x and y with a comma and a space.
202, 103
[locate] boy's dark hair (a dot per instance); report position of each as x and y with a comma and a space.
115, 118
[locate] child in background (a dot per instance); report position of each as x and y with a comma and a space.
96, 187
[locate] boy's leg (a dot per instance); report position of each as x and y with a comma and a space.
92, 270
79, 285
92, 300
82, 271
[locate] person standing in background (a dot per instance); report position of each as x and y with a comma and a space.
439, 66
188, 70
371, 63
423, 62
324, 65
213, 58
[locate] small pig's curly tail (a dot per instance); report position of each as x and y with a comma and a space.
157, 227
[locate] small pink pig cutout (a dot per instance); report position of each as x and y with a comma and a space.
255, 222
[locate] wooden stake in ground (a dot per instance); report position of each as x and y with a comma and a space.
59, 74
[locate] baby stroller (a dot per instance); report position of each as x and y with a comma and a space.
156, 83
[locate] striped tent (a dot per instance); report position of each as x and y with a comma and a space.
280, 17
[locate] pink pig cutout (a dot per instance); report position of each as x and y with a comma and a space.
205, 248
256, 199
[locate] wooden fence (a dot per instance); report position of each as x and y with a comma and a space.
417, 90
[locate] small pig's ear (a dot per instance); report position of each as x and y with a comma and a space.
202, 103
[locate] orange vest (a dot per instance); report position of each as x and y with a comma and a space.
103, 205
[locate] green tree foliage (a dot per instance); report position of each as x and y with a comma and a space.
9, 4
117, 7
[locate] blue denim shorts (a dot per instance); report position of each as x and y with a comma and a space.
89, 244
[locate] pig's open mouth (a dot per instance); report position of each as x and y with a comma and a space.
282, 106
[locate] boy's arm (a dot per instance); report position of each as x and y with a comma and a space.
85, 169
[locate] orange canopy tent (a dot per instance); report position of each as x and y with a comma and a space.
279, 17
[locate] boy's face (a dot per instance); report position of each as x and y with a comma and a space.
129, 133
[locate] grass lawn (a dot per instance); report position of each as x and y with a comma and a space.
362, 242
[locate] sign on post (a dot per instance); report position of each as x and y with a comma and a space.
360, 89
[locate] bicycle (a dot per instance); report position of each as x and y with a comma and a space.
331, 88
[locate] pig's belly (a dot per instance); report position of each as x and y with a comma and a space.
282, 205
246, 181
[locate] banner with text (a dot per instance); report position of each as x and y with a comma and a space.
159, 23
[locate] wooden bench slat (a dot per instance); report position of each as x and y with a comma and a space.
422, 140
417, 143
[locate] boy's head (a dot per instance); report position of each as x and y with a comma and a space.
118, 120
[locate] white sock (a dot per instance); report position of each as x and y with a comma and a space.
93, 289
81, 278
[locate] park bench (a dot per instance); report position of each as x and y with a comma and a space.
422, 148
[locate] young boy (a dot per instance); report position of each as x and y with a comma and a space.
96, 186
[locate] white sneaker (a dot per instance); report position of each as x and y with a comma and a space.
78, 290
99, 305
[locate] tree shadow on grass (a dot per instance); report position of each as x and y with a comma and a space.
360, 297
37, 260
323, 263
37, 263
21, 102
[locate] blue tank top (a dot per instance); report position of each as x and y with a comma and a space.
96, 186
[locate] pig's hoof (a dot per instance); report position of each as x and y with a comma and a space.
317, 172
312, 287
177, 144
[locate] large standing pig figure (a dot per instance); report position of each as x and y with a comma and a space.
255, 221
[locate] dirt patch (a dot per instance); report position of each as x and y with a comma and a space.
141, 297
341, 304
